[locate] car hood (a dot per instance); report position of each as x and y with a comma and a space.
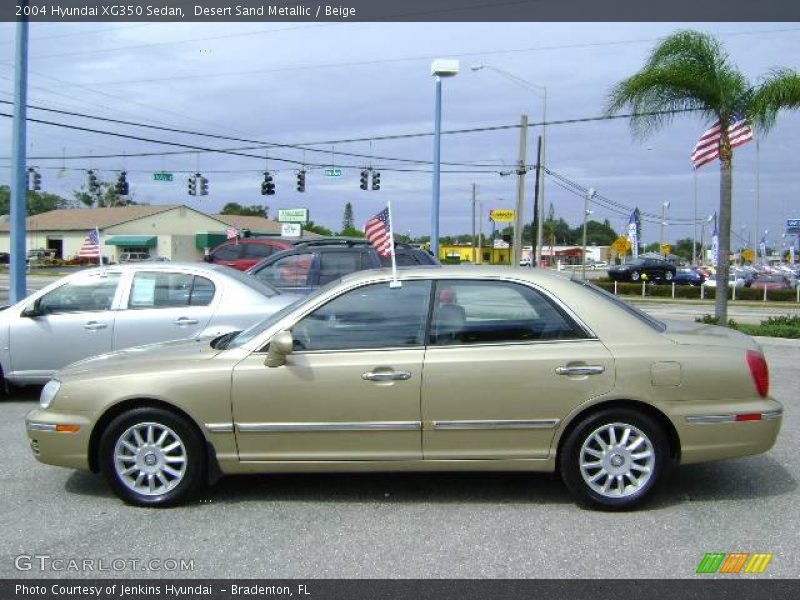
142, 358
701, 334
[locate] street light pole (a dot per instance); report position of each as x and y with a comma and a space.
474, 194
694, 222
19, 183
590, 193
521, 171
539, 88
664, 208
439, 68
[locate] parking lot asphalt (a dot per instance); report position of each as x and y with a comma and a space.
410, 526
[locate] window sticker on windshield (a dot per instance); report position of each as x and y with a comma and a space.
143, 292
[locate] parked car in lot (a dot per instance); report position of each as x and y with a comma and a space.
688, 276
653, 268
309, 266
734, 281
524, 370
774, 281
108, 308
245, 253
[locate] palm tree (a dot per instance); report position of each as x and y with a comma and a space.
690, 71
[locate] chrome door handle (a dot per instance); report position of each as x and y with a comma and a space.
386, 376
185, 321
581, 370
94, 325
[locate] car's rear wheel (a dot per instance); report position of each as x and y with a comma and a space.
152, 457
613, 459
635, 275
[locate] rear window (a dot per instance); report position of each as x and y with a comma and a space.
252, 282
615, 300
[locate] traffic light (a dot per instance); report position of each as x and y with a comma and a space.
203, 186
94, 185
193, 185
364, 178
376, 180
34, 179
268, 185
122, 188
301, 181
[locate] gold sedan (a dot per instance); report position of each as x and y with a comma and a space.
459, 368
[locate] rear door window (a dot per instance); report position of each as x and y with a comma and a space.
289, 271
229, 252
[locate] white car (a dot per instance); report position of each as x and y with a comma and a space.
734, 281
109, 308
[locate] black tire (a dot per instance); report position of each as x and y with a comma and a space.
635, 275
631, 495
191, 448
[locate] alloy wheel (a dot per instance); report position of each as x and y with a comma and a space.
617, 460
150, 458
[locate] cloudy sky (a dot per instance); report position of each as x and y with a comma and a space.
305, 84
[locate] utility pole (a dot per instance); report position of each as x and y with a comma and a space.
758, 198
19, 184
590, 193
521, 171
536, 258
474, 242
540, 183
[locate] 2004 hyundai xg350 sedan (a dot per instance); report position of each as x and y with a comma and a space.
456, 369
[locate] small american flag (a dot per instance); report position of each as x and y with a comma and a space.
91, 245
232, 232
378, 232
707, 148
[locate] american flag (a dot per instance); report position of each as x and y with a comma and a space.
91, 245
232, 232
707, 148
378, 232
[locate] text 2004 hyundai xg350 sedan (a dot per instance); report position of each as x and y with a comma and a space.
456, 369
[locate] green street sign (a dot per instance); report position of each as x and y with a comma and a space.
333, 172
162, 176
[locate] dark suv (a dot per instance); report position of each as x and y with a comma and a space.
245, 253
654, 268
310, 265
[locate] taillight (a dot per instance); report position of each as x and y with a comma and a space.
759, 371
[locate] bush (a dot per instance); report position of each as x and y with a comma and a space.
656, 290
784, 326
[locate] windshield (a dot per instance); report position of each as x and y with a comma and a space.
252, 282
631, 310
256, 330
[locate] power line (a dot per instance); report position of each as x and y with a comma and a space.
362, 63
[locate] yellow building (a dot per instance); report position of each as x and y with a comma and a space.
467, 254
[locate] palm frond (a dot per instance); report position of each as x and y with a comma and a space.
779, 90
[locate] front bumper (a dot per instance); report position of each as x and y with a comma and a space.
714, 433
60, 439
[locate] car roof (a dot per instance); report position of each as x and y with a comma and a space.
159, 266
541, 276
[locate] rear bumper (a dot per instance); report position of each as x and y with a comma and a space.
64, 448
714, 433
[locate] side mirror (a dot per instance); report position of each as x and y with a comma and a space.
280, 346
32, 310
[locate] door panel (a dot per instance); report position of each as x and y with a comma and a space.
498, 401
319, 406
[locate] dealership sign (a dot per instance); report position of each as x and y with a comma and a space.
792, 225
293, 215
502, 215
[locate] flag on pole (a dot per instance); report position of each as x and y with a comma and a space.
379, 232
232, 233
707, 148
762, 245
633, 234
715, 244
91, 245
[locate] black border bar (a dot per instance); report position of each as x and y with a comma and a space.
400, 10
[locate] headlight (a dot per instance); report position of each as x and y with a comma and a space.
49, 392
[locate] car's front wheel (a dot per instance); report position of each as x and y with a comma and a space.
152, 457
613, 459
